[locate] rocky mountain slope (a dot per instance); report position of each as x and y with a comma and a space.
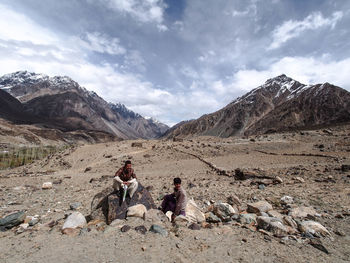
278, 105
71, 107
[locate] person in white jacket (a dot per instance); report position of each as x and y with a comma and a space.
126, 176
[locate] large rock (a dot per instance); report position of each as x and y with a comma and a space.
302, 212
224, 211
247, 219
11, 220
273, 225
75, 220
137, 210
258, 207
156, 216
314, 228
159, 230
193, 213
107, 205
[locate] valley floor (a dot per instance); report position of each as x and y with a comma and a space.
314, 156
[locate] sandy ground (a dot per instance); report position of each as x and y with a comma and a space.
288, 155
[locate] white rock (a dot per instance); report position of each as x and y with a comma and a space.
169, 215
75, 220
47, 185
137, 211
287, 200
314, 228
193, 213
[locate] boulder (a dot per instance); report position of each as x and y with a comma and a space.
137, 210
247, 219
193, 213
75, 220
108, 205
224, 211
156, 216
273, 225
258, 207
314, 228
11, 220
159, 230
46, 185
211, 218
302, 212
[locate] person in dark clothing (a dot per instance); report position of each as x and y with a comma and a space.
175, 202
125, 176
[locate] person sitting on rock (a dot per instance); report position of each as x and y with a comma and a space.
175, 202
125, 176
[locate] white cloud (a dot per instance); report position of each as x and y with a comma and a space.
306, 70
141, 10
101, 43
292, 29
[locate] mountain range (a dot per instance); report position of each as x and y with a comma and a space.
61, 103
280, 104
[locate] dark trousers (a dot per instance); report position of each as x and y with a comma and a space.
169, 204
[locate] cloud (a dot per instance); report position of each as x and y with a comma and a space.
292, 29
306, 70
101, 43
141, 10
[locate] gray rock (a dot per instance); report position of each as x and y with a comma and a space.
287, 200
33, 221
261, 186
247, 218
75, 220
159, 230
12, 220
273, 225
211, 218
75, 205
258, 207
314, 228
302, 212
224, 211
274, 213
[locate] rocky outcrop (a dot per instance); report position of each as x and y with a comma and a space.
278, 105
107, 205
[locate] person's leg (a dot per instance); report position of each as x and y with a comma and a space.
169, 203
132, 188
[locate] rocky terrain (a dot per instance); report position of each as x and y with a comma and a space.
61, 103
280, 104
258, 195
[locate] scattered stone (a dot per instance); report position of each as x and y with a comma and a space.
159, 230
274, 213
34, 221
285, 200
345, 167
58, 181
299, 180
12, 220
278, 180
302, 212
247, 219
46, 185
316, 243
136, 144
22, 227
141, 229
71, 231
194, 226
50, 224
211, 218
193, 213
288, 220
224, 211
75, 220
234, 200
314, 228
137, 211
339, 216
274, 225
87, 169
258, 207
261, 187
125, 228
339, 233
75, 205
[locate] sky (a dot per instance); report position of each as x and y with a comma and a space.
176, 60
